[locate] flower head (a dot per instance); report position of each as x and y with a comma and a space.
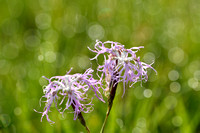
120, 64
72, 89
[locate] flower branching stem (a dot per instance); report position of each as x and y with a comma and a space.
110, 102
81, 119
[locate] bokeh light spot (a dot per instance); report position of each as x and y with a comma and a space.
17, 111
175, 87
173, 75
42, 81
197, 75
193, 83
51, 36
50, 56
120, 122
83, 62
149, 58
176, 55
175, 26
45, 4
194, 66
96, 31
32, 39
177, 121
40, 57
43, 21
141, 122
136, 130
147, 93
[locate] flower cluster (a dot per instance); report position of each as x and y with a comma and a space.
120, 64
72, 89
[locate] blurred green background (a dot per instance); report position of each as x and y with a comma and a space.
48, 37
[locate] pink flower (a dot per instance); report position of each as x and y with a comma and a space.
73, 91
120, 64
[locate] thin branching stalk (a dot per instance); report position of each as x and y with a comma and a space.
81, 119
110, 102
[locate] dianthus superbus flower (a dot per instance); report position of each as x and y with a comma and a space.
120, 64
71, 90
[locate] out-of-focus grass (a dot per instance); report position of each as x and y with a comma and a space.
47, 37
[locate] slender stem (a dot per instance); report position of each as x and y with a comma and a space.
110, 103
81, 119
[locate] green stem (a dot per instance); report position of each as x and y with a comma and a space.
110, 103
82, 120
